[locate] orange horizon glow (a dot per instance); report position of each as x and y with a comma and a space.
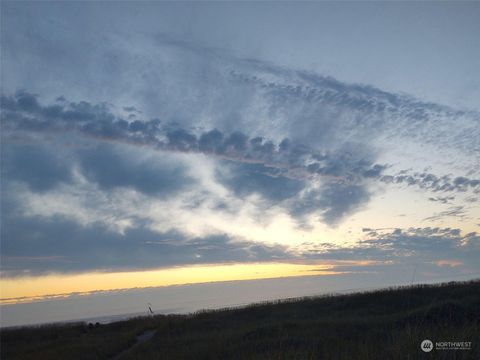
27, 289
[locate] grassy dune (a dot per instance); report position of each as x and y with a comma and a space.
385, 324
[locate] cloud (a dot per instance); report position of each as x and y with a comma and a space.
110, 166
449, 263
246, 179
197, 86
36, 246
406, 246
433, 183
360, 112
340, 199
307, 145
256, 165
349, 159
442, 199
332, 201
452, 212
147, 150
37, 165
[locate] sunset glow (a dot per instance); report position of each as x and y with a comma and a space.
186, 143
54, 286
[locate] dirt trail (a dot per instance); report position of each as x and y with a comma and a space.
145, 336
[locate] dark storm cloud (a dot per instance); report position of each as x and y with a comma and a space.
35, 246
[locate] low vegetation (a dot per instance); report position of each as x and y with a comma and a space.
385, 324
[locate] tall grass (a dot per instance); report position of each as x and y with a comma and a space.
385, 324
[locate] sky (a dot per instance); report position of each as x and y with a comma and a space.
308, 147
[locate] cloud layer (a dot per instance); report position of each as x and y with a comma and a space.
100, 185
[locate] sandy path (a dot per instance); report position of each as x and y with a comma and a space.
145, 336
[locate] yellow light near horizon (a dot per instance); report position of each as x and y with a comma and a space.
30, 288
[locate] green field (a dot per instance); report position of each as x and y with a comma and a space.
384, 324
